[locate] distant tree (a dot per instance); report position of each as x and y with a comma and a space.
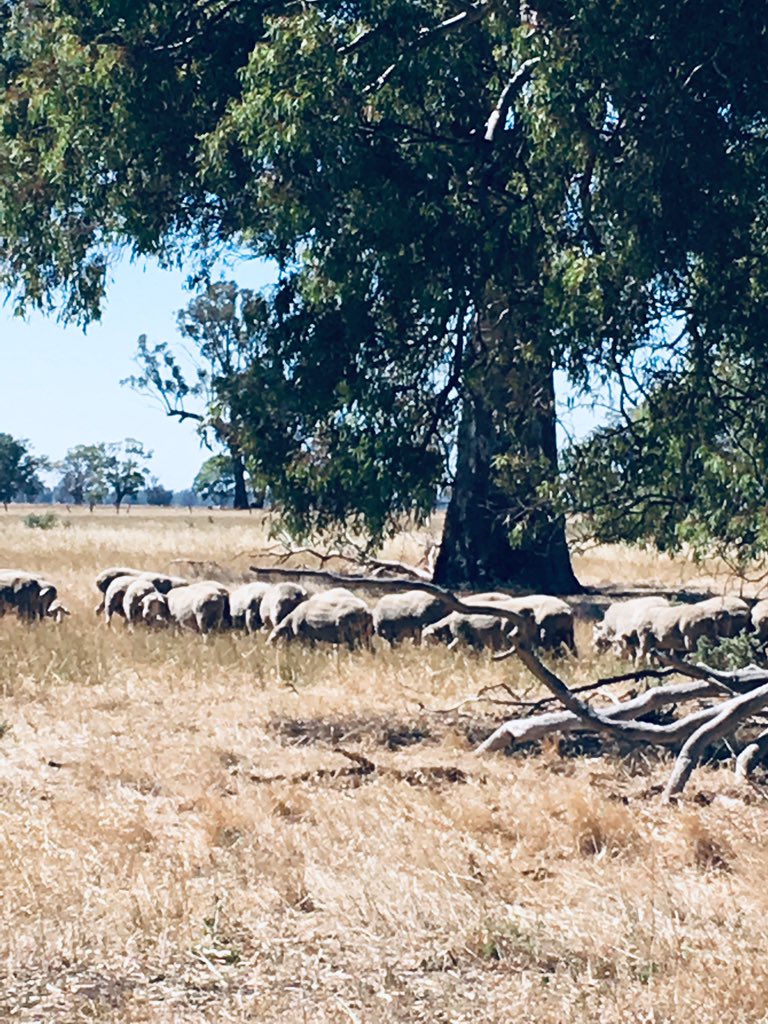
124, 469
215, 481
18, 469
84, 474
187, 497
220, 330
156, 494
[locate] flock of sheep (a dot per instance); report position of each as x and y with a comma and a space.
634, 628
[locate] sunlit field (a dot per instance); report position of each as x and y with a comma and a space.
184, 839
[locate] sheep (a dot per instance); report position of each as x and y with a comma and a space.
162, 581
114, 598
28, 595
334, 616
201, 606
279, 600
619, 620
401, 616
677, 628
245, 606
133, 595
732, 614
106, 577
479, 631
153, 609
553, 617
58, 612
759, 621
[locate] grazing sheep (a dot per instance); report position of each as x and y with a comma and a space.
133, 595
279, 600
619, 621
554, 619
28, 595
245, 606
760, 621
58, 612
677, 628
114, 598
105, 579
115, 595
334, 616
162, 581
732, 614
480, 632
398, 617
200, 606
153, 609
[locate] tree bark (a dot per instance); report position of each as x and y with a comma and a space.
498, 530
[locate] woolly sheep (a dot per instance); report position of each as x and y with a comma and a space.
620, 620
201, 606
245, 605
403, 616
279, 600
334, 616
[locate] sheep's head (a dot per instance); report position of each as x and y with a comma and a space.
154, 610
57, 611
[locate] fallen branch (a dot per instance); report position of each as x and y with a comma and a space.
537, 727
727, 718
745, 762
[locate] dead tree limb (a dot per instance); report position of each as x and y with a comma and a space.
745, 762
727, 718
536, 727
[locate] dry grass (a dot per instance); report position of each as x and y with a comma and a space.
150, 871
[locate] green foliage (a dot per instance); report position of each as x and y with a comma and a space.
84, 474
92, 472
18, 469
41, 520
215, 481
158, 495
731, 654
595, 169
687, 466
124, 469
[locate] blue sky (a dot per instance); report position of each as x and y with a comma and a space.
60, 386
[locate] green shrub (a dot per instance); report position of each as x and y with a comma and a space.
41, 520
728, 655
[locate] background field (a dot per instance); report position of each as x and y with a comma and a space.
170, 849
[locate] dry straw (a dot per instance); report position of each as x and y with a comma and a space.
149, 873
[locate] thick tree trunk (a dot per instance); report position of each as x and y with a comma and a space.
498, 531
238, 471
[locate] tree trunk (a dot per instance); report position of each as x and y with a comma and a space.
498, 530
238, 471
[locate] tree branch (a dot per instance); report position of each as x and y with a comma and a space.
508, 93
427, 36
728, 717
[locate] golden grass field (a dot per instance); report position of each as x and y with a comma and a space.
169, 851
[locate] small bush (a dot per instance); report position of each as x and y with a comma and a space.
728, 655
41, 520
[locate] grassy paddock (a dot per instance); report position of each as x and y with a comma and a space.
155, 866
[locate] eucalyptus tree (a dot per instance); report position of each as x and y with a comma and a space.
219, 335
459, 197
19, 469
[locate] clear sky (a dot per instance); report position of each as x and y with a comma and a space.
60, 386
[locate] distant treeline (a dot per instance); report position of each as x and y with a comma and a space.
115, 472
